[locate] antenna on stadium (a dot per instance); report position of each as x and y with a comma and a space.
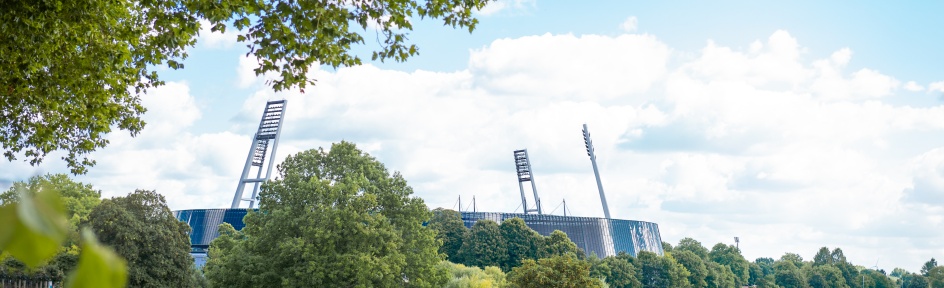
270, 127
596, 172
523, 167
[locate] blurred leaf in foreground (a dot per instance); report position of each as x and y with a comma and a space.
98, 267
33, 229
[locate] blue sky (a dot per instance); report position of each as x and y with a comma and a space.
791, 125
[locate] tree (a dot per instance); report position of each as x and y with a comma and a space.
826, 276
936, 277
898, 272
621, 274
463, 276
143, 230
719, 276
757, 274
928, 266
849, 272
766, 265
787, 274
78, 198
484, 245
876, 279
793, 258
615, 271
335, 218
823, 257
731, 257
450, 230
695, 266
520, 241
917, 281
694, 246
225, 256
559, 244
838, 256
71, 71
661, 272
557, 271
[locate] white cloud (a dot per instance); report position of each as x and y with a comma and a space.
507, 6
936, 87
913, 87
216, 40
630, 24
571, 67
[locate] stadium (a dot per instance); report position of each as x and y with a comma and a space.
600, 236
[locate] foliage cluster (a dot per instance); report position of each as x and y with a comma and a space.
332, 218
462, 276
138, 228
71, 71
489, 244
34, 227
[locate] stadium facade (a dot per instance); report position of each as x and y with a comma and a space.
600, 236
204, 227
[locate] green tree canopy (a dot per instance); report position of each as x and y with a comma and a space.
794, 259
694, 246
333, 218
838, 256
143, 230
822, 257
826, 276
472, 277
661, 272
450, 230
557, 271
898, 272
874, 279
616, 272
78, 198
936, 277
731, 257
787, 274
484, 245
225, 256
695, 266
766, 265
72, 71
720, 276
559, 244
917, 281
928, 266
520, 241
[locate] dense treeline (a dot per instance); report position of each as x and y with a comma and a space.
338, 218
530, 258
688, 264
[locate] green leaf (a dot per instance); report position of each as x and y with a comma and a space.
34, 228
98, 266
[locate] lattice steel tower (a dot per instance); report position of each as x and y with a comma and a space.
270, 127
596, 172
523, 167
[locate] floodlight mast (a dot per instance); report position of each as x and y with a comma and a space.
596, 172
523, 167
270, 128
